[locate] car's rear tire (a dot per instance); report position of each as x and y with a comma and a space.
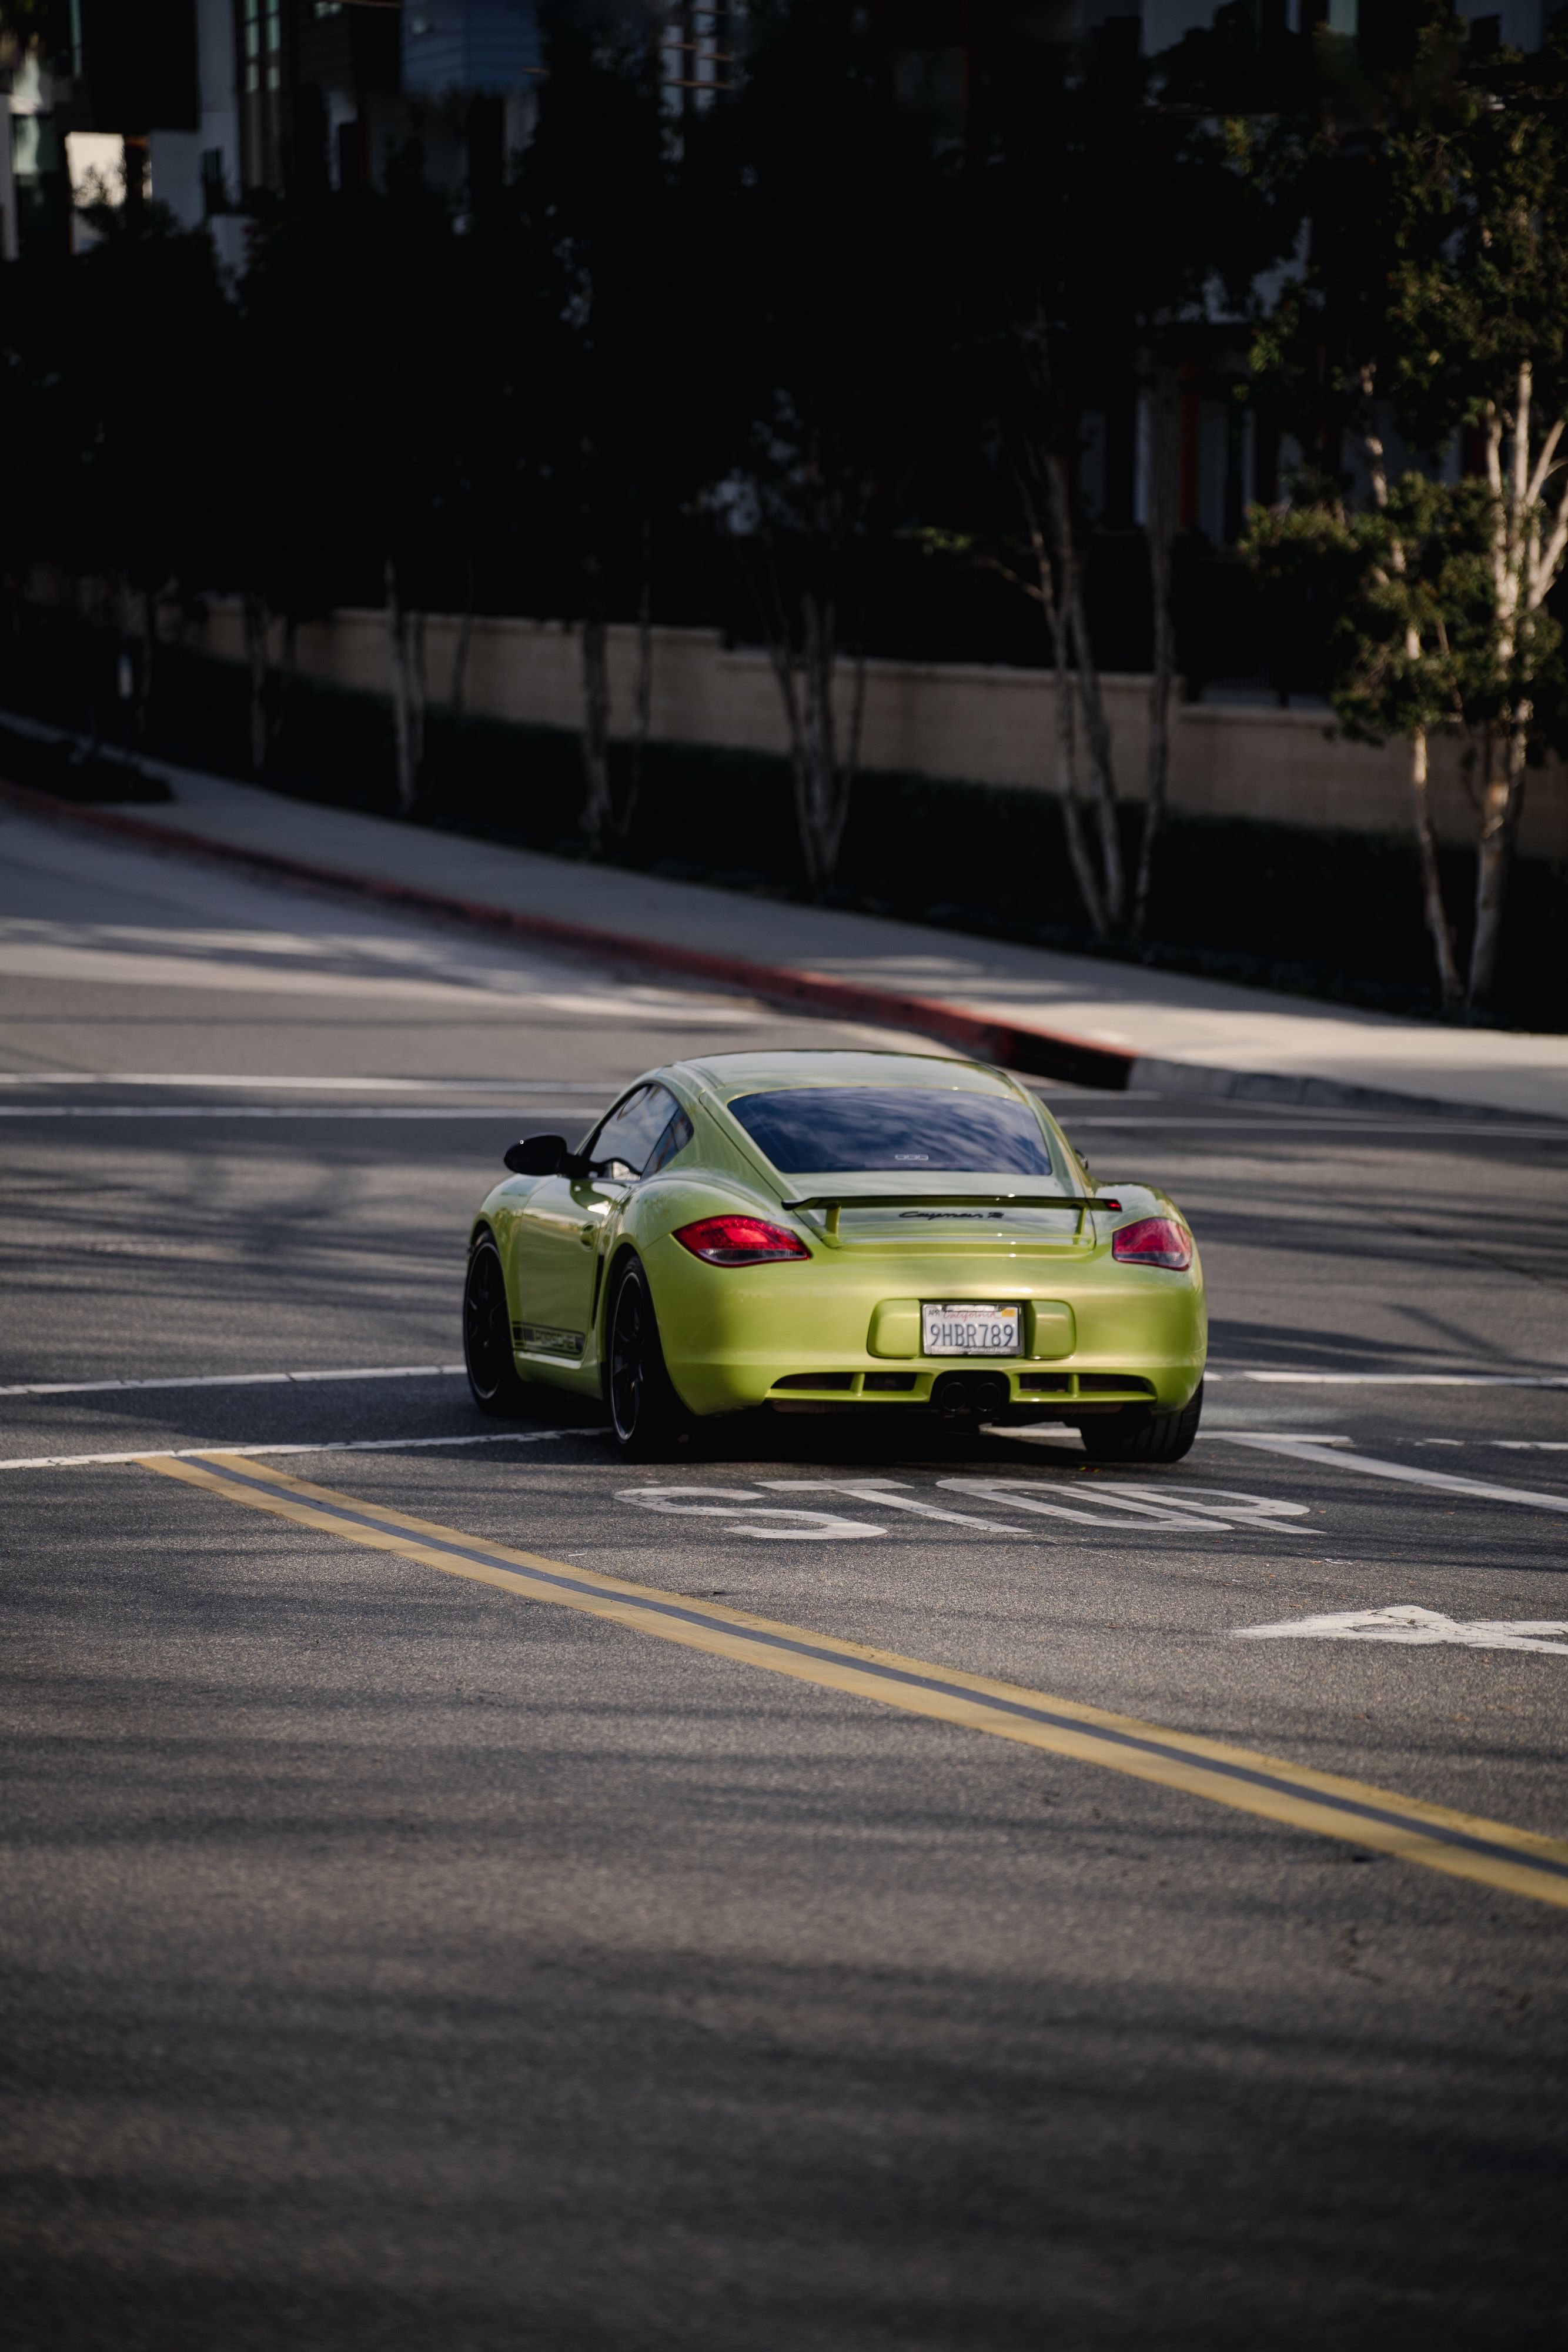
493, 1380
1136, 1435
647, 1418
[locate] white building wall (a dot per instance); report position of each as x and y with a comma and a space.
965, 720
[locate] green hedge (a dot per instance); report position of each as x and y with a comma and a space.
1328, 914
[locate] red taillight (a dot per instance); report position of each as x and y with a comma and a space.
1153, 1241
739, 1241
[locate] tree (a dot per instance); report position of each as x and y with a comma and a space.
362, 312
1479, 313
613, 407
1436, 298
826, 247
1043, 339
1110, 221
114, 366
1411, 636
1205, 212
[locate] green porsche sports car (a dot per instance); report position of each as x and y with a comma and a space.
820, 1230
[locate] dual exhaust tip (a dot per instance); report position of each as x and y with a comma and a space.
985, 1393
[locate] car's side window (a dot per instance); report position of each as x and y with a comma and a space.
636, 1137
675, 1138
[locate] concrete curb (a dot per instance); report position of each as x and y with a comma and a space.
1330, 1094
1042, 1052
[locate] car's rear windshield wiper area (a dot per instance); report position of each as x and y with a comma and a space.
896, 1130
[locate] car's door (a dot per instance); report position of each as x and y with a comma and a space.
561, 1231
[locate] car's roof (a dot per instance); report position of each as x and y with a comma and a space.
735, 1074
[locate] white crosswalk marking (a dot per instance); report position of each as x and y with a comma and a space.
745, 1515
1238, 1509
1022, 1495
1124, 1508
878, 1492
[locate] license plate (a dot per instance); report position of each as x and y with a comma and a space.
970, 1331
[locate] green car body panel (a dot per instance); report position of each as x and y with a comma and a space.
843, 1325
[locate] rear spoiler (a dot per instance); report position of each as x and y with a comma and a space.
834, 1201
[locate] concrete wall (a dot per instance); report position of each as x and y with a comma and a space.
966, 720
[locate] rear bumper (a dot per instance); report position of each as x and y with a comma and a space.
734, 1337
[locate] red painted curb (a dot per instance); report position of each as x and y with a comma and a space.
1044, 1053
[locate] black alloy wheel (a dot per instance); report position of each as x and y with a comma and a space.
1136, 1435
646, 1416
487, 1333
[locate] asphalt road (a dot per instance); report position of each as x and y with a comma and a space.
392, 1957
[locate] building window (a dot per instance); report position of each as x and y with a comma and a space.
261, 51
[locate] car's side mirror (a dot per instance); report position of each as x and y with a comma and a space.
536, 1155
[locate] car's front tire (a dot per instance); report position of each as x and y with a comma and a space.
1136, 1435
493, 1380
647, 1418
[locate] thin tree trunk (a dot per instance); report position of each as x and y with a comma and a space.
286, 677
1096, 734
83, 640
144, 682
1437, 914
406, 648
819, 631
598, 813
416, 693
1431, 875
823, 784
460, 650
781, 653
642, 706
1164, 418
253, 604
852, 766
125, 667
1066, 733
1502, 798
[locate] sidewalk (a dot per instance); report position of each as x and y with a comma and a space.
1070, 1017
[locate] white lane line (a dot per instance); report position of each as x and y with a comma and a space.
1295, 1436
237, 1380
1302, 1449
1508, 1444
1398, 1379
1421, 1628
324, 1445
548, 1086
259, 1110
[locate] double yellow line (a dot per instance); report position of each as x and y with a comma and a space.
1466, 1845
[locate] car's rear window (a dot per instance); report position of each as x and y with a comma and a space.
904, 1130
